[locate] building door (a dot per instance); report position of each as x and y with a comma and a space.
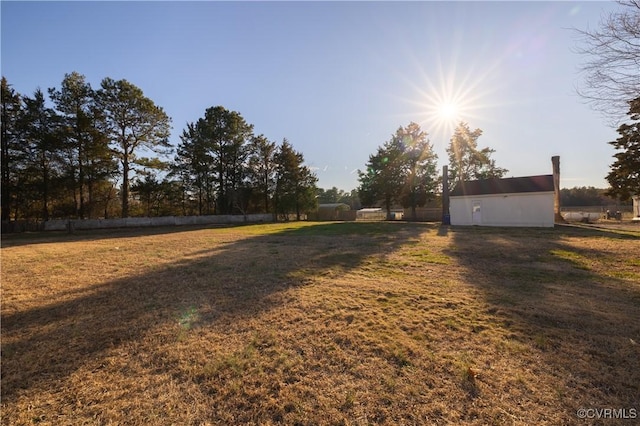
476, 212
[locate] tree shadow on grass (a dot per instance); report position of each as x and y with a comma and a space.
569, 297
46, 237
43, 345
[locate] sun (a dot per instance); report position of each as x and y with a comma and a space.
450, 91
443, 110
448, 111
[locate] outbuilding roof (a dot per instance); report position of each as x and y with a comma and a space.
541, 183
334, 206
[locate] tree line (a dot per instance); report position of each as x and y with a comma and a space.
106, 152
581, 196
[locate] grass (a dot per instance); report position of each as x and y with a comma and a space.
319, 323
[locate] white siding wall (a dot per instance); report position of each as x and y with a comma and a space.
522, 209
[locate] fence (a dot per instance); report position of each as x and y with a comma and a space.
130, 222
424, 214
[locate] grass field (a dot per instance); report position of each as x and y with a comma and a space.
320, 323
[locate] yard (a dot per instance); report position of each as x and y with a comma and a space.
321, 323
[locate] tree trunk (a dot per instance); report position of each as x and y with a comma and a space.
125, 188
387, 203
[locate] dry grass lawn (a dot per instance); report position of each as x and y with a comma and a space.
320, 323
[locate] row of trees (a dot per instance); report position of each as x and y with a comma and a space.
580, 196
403, 171
227, 169
75, 158
95, 146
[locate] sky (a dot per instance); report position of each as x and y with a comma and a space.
337, 79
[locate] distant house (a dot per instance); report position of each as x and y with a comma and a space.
520, 201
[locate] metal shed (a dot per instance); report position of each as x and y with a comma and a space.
375, 213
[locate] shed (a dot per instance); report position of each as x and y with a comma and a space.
373, 213
519, 201
331, 211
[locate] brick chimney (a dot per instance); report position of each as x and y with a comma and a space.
446, 218
555, 161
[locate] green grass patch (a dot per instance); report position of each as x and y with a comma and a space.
578, 260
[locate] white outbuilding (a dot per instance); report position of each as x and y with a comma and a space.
519, 201
636, 208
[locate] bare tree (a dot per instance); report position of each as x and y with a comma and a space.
612, 67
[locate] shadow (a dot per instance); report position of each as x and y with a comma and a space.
616, 231
45, 237
568, 296
237, 278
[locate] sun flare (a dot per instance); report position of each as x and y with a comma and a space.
451, 90
448, 111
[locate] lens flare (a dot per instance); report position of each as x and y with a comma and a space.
448, 111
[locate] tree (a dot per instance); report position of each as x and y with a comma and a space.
194, 167
612, 67
403, 170
335, 195
42, 143
149, 189
295, 190
624, 177
383, 180
213, 155
133, 123
10, 139
466, 161
585, 196
89, 158
225, 135
328, 196
419, 168
262, 169
352, 199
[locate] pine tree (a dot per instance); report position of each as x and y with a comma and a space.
40, 127
11, 153
133, 123
262, 170
624, 176
89, 157
466, 161
295, 190
193, 165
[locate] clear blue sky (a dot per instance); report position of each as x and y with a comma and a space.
337, 79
